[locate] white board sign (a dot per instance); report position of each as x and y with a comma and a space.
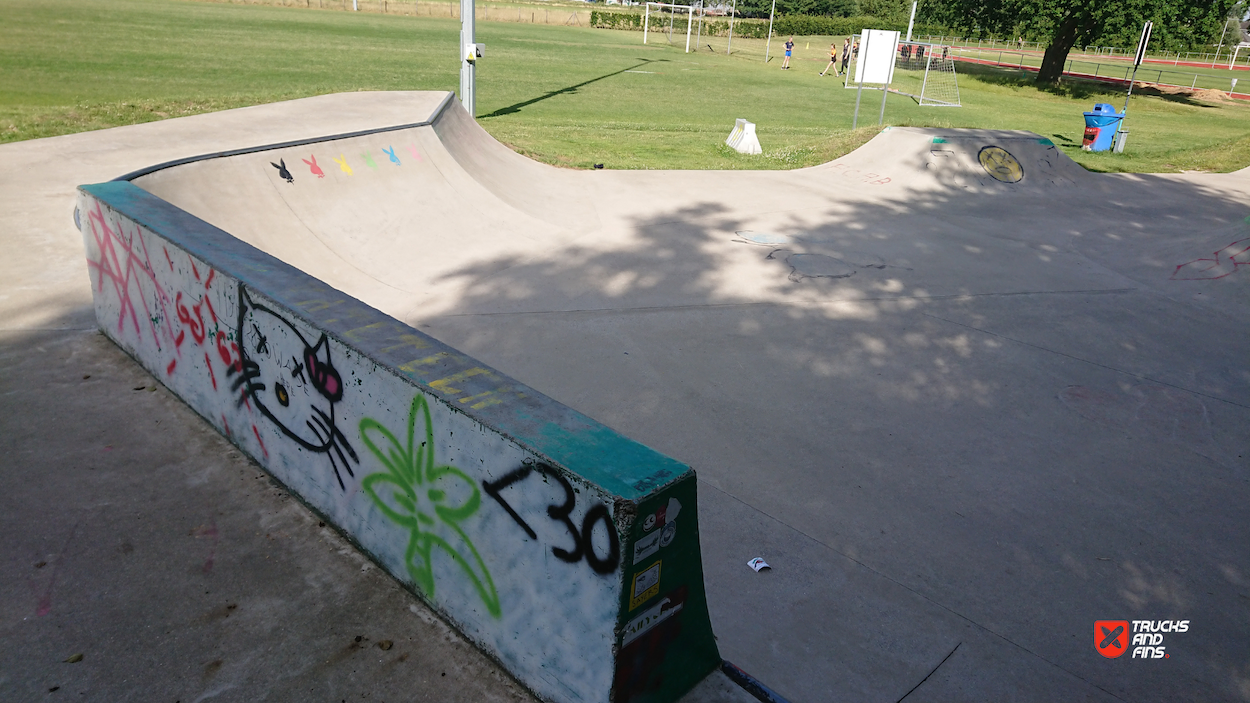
875, 63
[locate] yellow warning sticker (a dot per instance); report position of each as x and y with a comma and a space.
646, 585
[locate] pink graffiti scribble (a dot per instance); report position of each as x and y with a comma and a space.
413, 149
312, 166
208, 364
43, 605
1226, 262
209, 531
121, 276
258, 439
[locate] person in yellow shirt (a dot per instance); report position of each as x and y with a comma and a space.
833, 60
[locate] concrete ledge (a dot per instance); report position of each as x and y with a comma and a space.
564, 550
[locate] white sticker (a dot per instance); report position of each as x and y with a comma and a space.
647, 579
649, 618
670, 513
647, 546
667, 534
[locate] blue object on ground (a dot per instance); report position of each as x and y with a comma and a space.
1100, 127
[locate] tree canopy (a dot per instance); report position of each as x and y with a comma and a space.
1063, 24
827, 8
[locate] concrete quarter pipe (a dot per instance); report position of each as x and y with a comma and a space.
965, 397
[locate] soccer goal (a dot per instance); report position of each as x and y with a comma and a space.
924, 72
671, 24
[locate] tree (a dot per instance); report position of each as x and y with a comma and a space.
827, 8
1063, 24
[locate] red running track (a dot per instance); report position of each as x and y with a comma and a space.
1087, 76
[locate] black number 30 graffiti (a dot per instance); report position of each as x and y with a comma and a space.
582, 545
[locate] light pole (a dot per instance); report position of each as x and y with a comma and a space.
468, 58
769, 45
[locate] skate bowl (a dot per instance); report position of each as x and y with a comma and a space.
567, 552
789, 334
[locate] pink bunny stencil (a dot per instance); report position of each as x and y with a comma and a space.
312, 166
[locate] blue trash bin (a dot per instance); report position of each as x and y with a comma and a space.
1100, 128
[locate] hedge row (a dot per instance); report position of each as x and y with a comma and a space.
785, 25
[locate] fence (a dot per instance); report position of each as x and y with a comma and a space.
1176, 57
1112, 71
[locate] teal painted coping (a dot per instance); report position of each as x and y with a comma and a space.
557, 433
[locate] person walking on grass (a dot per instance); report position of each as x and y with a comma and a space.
846, 53
785, 65
833, 60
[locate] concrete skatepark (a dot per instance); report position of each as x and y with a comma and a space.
964, 404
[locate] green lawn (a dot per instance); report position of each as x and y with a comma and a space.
566, 95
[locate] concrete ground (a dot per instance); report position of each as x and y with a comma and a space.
1001, 419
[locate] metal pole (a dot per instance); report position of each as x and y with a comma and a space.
468, 87
911, 21
733, 12
885, 90
769, 45
1221, 46
1130, 93
1142, 44
699, 39
689, 21
859, 68
646, 21
925, 83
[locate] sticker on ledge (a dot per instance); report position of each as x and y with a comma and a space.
664, 515
646, 585
647, 546
667, 534
651, 617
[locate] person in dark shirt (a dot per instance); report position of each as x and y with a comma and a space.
785, 65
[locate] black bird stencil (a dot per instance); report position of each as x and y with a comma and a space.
282, 172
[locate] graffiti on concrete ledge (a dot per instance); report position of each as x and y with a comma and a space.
583, 545
428, 499
291, 382
1000, 164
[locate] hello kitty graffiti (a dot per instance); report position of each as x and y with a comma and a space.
291, 382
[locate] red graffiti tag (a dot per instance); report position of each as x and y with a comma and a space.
1226, 262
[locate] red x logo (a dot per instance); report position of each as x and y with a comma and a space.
1111, 637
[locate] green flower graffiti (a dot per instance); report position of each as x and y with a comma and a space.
427, 499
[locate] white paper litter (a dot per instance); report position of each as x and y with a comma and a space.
758, 563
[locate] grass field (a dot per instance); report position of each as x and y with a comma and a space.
566, 95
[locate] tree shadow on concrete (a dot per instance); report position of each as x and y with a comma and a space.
948, 387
